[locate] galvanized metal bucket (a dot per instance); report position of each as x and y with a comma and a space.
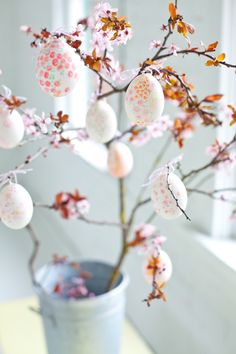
84, 326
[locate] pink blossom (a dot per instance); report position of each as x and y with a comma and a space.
145, 230
83, 207
227, 157
173, 49
104, 39
155, 44
148, 238
103, 9
153, 131
159, 127
25, 29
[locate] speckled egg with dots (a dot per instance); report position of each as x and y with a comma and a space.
144, 100
163, 201
57, 68
16, 206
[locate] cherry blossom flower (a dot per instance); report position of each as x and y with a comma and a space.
173, 49
109, 29
155, 44
227, 158
103, 9
25, 29
155, 130
71, 205
147, 238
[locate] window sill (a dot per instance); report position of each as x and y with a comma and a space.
224, 250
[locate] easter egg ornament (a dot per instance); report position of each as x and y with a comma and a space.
120, 160
158, 267
16, 206
11, 128
57, 68
168, 189
144, 100
101, 122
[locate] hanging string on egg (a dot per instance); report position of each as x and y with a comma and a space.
168, 193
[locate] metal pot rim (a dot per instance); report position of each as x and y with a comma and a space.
102, 297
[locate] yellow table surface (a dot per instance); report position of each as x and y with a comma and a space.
21, 331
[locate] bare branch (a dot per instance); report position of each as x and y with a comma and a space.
215, 161
172, 193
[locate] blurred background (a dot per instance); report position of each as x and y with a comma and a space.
201, 309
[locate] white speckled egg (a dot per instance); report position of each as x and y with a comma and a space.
163, 201
57, 68
101, 123
11, 128
144, 100
120, 160
16, 206
164, 268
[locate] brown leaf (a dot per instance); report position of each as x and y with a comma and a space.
172, 11
212, 46
213, 98
220, 57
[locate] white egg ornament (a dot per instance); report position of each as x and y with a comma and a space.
144, 100
11, 129
120, 160
163, 201
16, 206
160, 266
101, 122
57, 68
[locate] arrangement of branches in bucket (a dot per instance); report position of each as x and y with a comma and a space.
144, 90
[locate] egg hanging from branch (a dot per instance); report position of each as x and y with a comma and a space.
11, 128
158, 267
144, 100
101, 122
169, 195
57, 68
16, 206
120, 160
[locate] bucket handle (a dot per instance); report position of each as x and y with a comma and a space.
40, 312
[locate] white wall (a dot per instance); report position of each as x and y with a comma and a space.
189, 321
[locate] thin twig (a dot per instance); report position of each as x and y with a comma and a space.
139, 203
173, 195
214, 194
86, 219
125, 233
215, 161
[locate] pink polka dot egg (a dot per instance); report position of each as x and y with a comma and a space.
164, 202
144, 100
57, 68
16, 206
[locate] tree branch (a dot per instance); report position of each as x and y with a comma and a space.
173, 195
125, 233
215, 161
